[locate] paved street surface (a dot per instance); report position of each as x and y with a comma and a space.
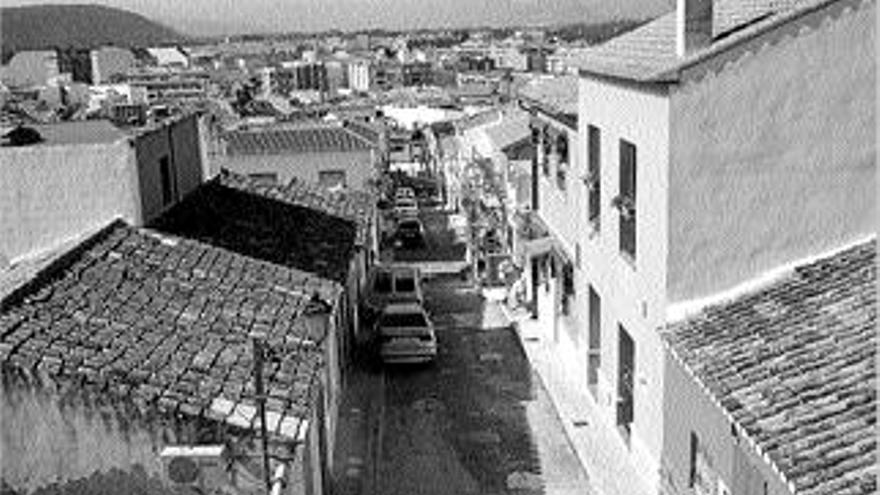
477, 420
441, 243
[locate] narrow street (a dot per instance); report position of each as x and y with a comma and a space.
475, 421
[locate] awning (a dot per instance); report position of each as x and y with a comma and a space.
547, 245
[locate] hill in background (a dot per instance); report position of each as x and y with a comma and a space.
78, 26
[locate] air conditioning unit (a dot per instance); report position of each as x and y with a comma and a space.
199, 467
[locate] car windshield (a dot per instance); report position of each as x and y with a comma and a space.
383, 283
406, 284
409, 225
403, 320
406, 203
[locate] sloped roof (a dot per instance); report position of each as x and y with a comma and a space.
163, 324
647, 53
793, 364
312, 139
511, 128
558, 93
372, 133
358, 207
227, 214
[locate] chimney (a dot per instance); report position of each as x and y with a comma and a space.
693, 25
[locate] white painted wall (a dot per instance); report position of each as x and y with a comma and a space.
50, 193
774, 157
358, 165
632, 293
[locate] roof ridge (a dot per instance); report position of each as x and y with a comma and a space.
683, 310
47, 273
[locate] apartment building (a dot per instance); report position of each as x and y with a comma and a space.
714, 144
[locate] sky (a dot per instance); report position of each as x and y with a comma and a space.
212, 17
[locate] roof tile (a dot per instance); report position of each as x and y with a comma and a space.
794, 364
299, 139
110, 317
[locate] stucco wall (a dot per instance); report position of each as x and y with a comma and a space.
774, 158
689, 409
358, 166
631, 292
50, 193
46, 440
180, 141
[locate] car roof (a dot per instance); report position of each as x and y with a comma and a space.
403, 308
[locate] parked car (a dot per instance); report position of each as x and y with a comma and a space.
404, 192
406, 334
406, 207
394, 283
410, 233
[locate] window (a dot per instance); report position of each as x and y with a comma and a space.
567, 287
703, 478
269, 178
594, 356
331, 179
546, 149
626, 200
593, 181
562, 147
167, 179
562, 159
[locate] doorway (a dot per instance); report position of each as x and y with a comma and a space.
625, 383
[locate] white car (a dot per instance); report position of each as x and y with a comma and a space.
406, 207
406, 334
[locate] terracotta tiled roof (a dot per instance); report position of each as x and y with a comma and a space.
294, 140
355, 206
266, 227
647, 53
370, 132
163, 324
794, 365
559, 93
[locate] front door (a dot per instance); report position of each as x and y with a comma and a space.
625, 383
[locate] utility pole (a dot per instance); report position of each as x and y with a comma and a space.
261, 407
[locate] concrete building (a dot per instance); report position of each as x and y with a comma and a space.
414, 73
359, 75
323, 153
167, 86
111, 64
84, 174
31, 68
552, 256
714, 144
